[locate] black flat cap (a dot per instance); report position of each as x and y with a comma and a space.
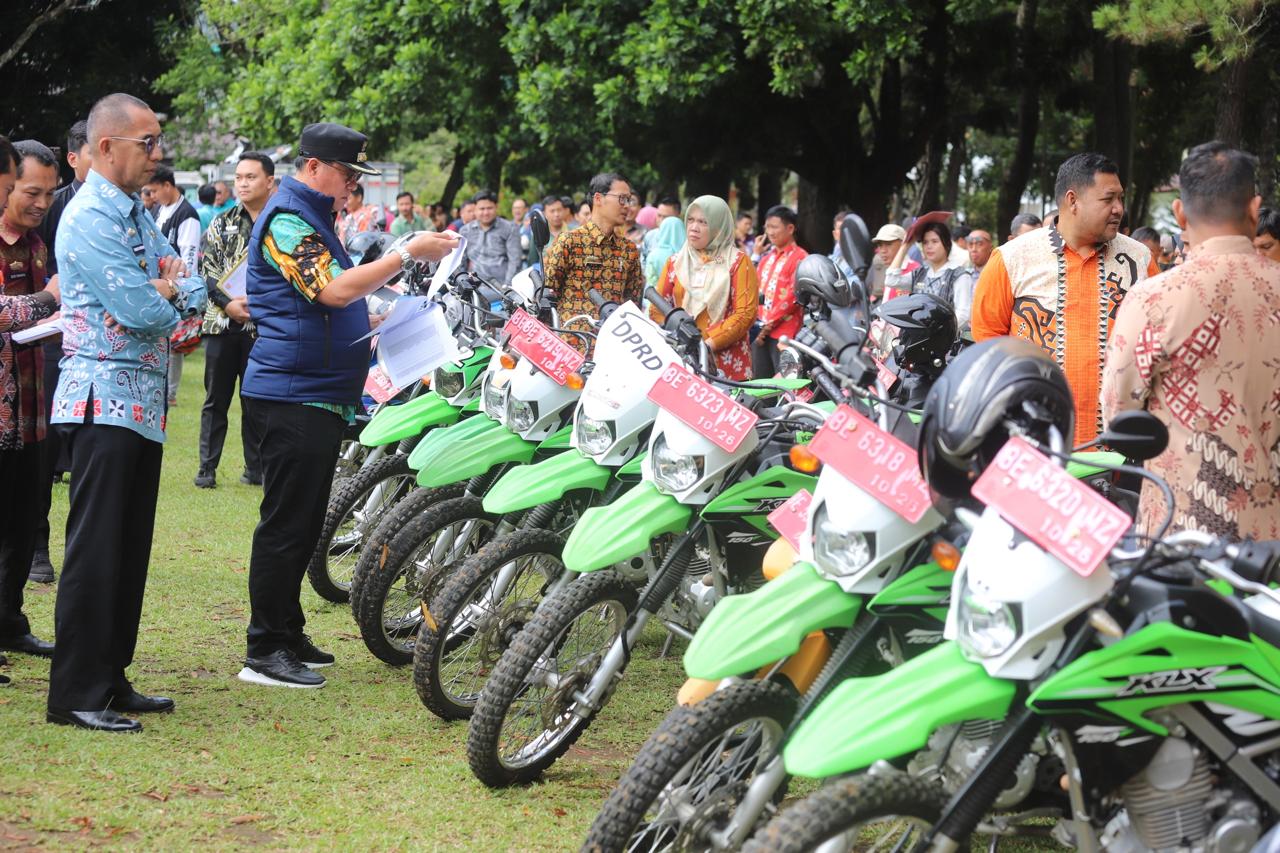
336, 144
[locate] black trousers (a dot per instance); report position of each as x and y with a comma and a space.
19, 514
225, 358
115, 479
53, 456
299, 450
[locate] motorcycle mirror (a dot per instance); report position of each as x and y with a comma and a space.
855, 246
1137, 433
540, 230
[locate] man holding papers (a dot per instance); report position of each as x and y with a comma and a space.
24, 302
304, 379
227, 330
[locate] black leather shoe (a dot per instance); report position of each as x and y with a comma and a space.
98, 721
280, 669
138, 703
206, 479
41, 568
311, 656
28, 644
249, 479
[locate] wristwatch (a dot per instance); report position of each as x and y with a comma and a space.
407, 263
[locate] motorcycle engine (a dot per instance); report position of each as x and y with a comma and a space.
1173, 805
954, 752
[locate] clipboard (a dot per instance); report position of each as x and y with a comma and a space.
236, 282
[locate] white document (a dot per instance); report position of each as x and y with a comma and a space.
236, 283
36, 333
448, 264
414, 340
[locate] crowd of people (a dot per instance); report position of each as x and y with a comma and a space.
1185, 325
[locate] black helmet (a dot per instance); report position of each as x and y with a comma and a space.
817, 276
367, 246
927, 331
966, 415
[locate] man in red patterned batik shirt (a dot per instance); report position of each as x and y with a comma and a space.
779, 312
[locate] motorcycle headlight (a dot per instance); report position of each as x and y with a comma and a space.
674, 472
839, 551
594, 437
520, 415
987, 628
495, 400
789, 364
447, 383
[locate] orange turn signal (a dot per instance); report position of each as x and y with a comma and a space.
804, 459
574, 381
946, 555
507, 360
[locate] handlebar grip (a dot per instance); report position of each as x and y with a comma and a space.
657, 300
1258, 561
596, 298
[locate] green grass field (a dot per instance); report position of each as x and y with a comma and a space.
358, 765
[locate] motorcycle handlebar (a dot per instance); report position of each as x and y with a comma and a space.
1257, 561
597, 299
657, 300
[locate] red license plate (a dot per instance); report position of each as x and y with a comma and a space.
703, 407
379, 386
533, 340
790, 518
876, 461
886, 376
1055, 510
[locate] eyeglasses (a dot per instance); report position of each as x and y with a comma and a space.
351, 176
623, 199
148, 142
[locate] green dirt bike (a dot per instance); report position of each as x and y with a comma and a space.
641, 556
485, 603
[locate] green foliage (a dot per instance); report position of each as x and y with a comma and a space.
1231, 26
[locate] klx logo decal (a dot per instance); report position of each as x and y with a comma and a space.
1173, 681
919, 636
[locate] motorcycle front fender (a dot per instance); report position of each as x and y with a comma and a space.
745, 632
865, 720
396, 423
529, 485
463, 457
431, 443
609, 534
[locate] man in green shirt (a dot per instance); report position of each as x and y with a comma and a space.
406, 219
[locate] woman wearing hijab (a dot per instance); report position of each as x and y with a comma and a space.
667, 241
715, 281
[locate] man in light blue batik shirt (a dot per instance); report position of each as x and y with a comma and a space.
124, 291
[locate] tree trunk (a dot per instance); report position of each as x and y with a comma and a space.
1231, 106
819, 201
1267, 149
461, 158
1113, 106
768, 193
1009, 197
956, 159
930, 195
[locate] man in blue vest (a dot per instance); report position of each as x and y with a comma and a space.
304, 380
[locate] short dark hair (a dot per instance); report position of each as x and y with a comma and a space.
1146, 233
465, 203
163, 175
670, 201
603, 182
110, 113
1079, 172
567, 201
38, 151
841, 216
1023, 219
589, 201
358, 190
268, 165
403, 194
781, 211
1217, 183
8, 157
550, 200
943, 232
77, 137
206, 193
744, 215
960, 232
485, 195
1268, 217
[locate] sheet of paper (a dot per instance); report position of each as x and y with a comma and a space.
414, 340
236, 282
40, 332
448, 265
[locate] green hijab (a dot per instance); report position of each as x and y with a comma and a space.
706, 275
668, 241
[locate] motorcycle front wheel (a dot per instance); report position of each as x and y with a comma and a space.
523, 721
692, 773
874, 811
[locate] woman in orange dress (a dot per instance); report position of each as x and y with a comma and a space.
715, 282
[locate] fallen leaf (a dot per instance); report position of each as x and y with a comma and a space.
247, 818
277, 726
559, 812
84, 822
157, 795
204, 753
